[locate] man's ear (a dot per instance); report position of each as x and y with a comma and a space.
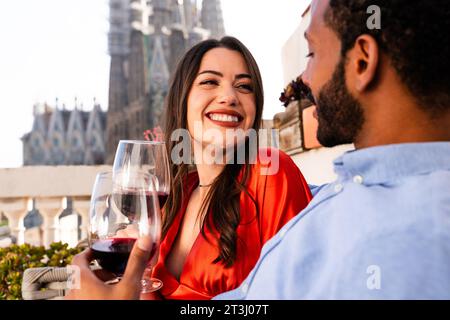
365, 60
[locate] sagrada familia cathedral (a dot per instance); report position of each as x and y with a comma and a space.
146, 39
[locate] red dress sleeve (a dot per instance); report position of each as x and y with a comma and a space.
282, 192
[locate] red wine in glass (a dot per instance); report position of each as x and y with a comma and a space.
162, 197
112, 254
112, 236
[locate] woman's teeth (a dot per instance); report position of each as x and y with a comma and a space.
224, 118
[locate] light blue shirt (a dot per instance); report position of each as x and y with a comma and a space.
381, 231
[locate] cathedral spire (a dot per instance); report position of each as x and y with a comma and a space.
159, 79
211, 18
119, 19
56, 103
161, 14
177, 16
189, 14
159, 72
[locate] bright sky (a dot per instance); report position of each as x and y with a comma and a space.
58, 48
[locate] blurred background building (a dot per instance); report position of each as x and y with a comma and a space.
146, 39
65, 137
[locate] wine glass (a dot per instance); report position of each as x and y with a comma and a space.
121, 212
145, 156
148, 157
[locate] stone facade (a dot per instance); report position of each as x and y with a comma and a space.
290, 128
65, 137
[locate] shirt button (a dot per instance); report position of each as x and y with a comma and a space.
244, 288
282, 233
338, 188
358, 179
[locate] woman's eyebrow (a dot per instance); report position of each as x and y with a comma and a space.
237, 77
217, 73
243, 76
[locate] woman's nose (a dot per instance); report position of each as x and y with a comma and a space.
228, 97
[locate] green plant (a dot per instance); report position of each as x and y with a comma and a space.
16, 258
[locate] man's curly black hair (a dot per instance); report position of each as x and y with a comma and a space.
413, 34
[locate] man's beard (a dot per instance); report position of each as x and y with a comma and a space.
339, 114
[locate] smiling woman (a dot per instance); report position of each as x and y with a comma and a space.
219, 215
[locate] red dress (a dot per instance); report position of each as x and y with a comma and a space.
279, 197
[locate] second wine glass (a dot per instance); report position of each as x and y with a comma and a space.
148, 157
133, 156
122, 212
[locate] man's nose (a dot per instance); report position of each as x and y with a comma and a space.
305, 78
306, 88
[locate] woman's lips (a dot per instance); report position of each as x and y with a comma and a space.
225, 118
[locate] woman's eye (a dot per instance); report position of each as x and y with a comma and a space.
209, 82
245, 87
310, 55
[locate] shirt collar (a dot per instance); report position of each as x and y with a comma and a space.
387, 163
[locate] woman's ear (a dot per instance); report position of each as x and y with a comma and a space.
365, 61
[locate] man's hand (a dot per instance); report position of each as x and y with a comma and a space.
129, 287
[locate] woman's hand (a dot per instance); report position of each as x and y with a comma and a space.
129, 287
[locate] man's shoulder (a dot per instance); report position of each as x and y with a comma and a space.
348, 255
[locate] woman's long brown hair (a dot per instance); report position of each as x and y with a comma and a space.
223, 198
